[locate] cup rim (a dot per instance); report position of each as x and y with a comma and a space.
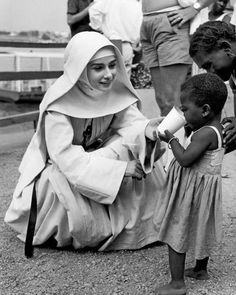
179, 111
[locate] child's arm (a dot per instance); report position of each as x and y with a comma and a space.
200, 142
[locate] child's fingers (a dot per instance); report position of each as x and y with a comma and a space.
160, 135
168, 134
227, 120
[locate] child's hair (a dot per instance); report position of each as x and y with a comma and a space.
208, 34
207, 88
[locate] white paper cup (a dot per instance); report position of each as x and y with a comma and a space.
172, 122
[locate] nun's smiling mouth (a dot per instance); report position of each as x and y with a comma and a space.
106, 83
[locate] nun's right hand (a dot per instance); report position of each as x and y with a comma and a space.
134, 169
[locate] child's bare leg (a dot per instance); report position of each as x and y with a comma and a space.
199, 272
177, 284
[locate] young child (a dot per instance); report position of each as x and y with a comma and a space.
189, 213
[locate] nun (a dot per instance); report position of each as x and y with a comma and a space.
87, 178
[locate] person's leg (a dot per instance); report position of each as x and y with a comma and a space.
165, 53
167, 81
177, 284
171, 44
127, 52
199, 271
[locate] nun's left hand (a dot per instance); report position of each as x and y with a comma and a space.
151, 128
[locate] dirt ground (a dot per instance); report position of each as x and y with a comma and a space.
66, 271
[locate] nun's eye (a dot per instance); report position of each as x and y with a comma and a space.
112, 65
97, 67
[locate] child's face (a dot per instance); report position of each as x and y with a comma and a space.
219, 6
192, 112
218, 62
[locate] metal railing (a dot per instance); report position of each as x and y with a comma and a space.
26, 75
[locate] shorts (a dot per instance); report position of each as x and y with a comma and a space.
163, 44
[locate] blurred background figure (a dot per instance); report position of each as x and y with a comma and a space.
120, 22
219, 11
165, 42
78, 16
233, 18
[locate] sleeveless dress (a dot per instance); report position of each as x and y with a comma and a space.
189, 213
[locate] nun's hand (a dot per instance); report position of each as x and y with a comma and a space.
151, 128
134, 169
160, 150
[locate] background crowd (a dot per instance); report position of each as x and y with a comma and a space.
159, 58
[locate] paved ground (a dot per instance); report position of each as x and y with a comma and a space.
85, 272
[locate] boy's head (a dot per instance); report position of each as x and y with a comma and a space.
211, 48
218, 7
204, 89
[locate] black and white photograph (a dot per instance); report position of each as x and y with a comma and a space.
118, 147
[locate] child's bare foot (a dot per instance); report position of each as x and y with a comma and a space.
197, 275
170, 289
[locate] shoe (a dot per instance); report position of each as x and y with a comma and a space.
200, 275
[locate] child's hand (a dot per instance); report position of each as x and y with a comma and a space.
229, 131
165, 137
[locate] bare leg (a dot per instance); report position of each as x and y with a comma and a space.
167, 81
199, 272
177, 284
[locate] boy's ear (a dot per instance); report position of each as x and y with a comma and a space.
206, 110
225, 45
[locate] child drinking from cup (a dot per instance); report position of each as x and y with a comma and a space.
189, 213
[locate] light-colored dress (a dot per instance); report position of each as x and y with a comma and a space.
189, 213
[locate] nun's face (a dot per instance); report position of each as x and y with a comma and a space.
101, 72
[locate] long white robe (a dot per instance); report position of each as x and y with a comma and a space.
83, 198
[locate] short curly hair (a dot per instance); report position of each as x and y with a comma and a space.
206, 88
208, 34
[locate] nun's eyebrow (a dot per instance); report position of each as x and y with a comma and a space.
101, 63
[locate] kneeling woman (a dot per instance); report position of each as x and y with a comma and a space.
86, 163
